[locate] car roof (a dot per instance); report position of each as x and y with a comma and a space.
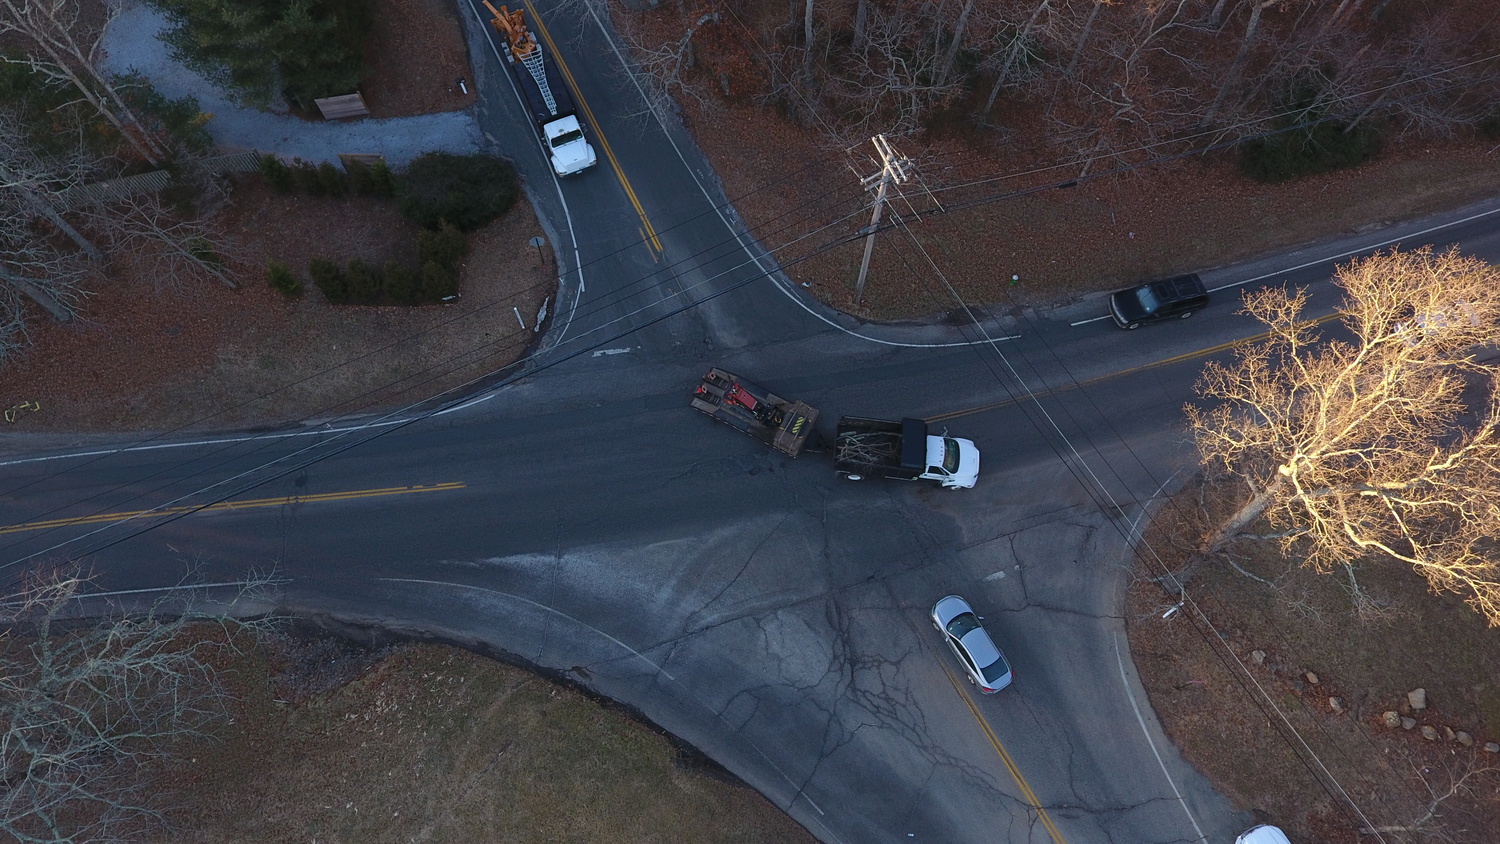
1263, 834
980, 646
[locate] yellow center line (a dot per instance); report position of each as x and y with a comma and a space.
1089, 382
598, 130
247, 504
1010, 765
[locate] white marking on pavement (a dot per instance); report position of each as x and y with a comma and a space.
999, 575
611, 352
1335, 257
1124, 680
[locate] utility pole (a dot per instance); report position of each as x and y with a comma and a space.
893, 168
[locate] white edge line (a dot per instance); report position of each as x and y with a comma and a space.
1334, 257
734, 230
556, 183
1125, 680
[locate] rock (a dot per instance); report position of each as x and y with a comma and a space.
1491, 747
1463, 738
1312, 679
1448, 733
1337, 705
1417, 698
1429, 733
1407, 723
1391, 719
1258, 657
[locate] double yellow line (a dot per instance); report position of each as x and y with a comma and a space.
248, 504
648, 232
1010, 765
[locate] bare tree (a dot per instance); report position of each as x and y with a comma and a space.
1237, 66
1384, 448
50, 27
37, 263
85, 699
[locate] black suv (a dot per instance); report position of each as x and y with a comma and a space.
1176, 297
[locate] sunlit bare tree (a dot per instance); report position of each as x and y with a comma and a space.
1381, 448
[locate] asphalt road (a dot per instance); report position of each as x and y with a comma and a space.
584, 520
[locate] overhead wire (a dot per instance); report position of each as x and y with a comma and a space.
269, 438
1078, 466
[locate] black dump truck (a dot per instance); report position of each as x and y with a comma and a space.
904, 451
784, 425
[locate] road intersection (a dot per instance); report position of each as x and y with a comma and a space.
582, 520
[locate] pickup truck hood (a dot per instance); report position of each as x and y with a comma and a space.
968, 461
571, 156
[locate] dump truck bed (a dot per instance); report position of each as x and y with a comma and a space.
880, 447
783, 424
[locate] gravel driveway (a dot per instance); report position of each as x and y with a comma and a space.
131, 43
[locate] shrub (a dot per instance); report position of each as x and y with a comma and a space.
438, 282
282, 280
328, 278
276, 174
361, 182
203, 250
364, 282
308, 179
334, 181
382, 180
466, 190
445, 246
1303, 152
402, 286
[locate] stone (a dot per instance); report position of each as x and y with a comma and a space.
1407, 723
1312, 679
1429, 733
1491, 747
1449, 734
1337, 705
1417, 698
1258, 657
1391, 718
1463, 738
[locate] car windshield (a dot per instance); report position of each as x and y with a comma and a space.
995, 670
568, 138
950, 455
962, 625
1148, 300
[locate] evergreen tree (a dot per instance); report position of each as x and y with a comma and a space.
257, 49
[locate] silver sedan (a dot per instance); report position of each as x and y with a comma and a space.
984, 663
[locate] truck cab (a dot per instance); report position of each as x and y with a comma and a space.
952, 462
568, 148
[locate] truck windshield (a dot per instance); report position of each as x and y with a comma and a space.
950, 455
1149, 302
567, 138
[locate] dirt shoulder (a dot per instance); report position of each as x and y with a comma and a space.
430, 743
1288, 700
